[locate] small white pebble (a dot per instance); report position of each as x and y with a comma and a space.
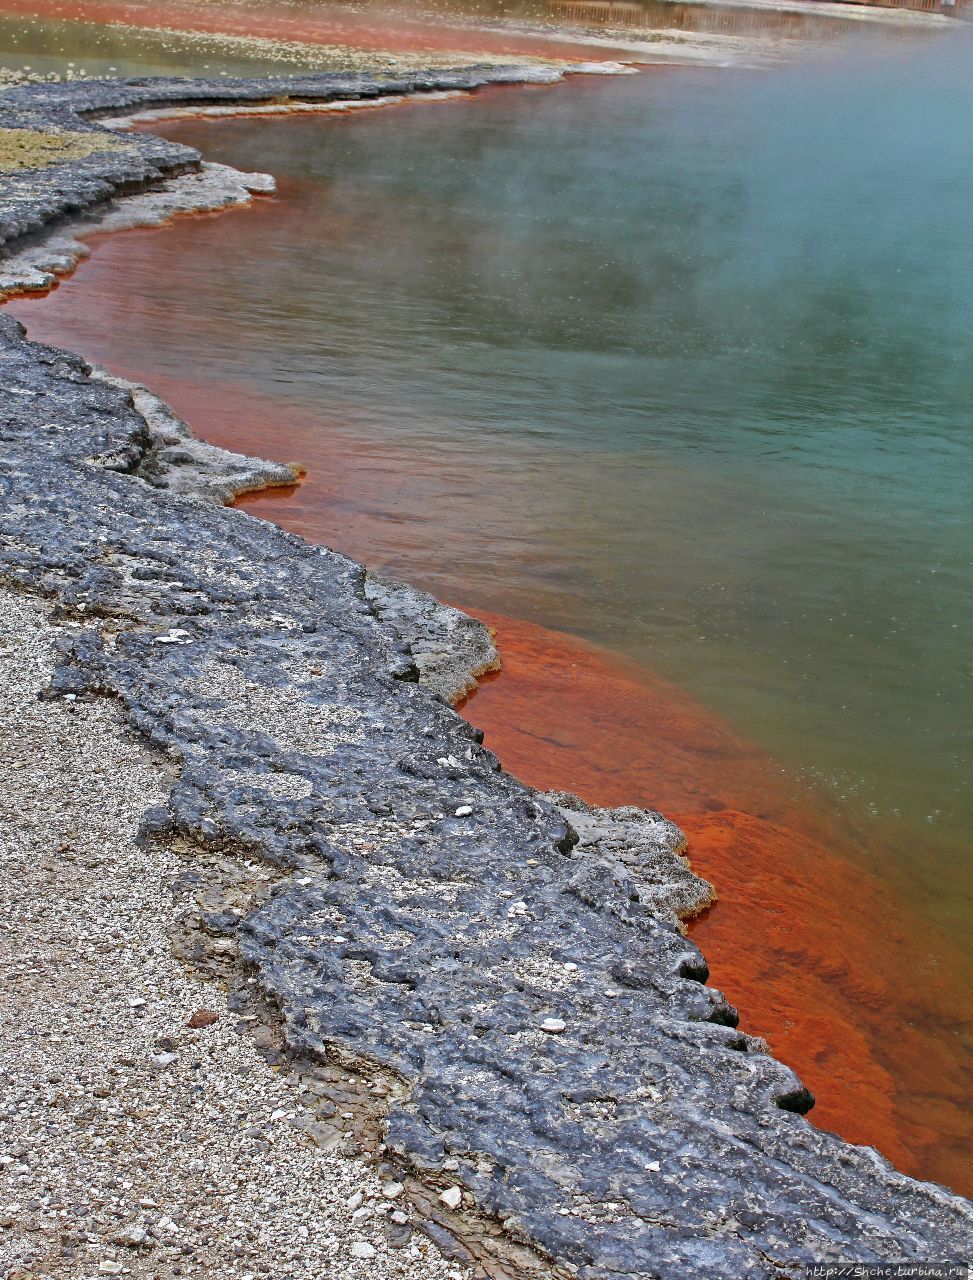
464, 811
452, 1197
553, 1026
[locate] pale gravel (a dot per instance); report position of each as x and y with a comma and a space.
95, 1138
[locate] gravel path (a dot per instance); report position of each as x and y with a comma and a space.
131, 1144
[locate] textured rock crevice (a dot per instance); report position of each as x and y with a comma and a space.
514, 960
126, 1072
343, 1099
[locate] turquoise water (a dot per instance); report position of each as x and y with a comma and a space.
682, 362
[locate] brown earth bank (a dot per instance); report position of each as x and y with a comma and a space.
849, 985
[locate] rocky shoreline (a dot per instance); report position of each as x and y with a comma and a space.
493, 983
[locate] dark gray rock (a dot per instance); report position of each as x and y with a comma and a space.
443, 913
643, 847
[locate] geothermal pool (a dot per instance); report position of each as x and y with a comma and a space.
671, 373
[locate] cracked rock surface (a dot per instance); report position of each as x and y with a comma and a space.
512, 961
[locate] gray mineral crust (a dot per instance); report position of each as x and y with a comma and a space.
512, 961
450, 649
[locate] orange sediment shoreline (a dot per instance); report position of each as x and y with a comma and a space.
388, 32
819, 956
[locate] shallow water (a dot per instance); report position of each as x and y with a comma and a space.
680, 364
96, 38
40, 48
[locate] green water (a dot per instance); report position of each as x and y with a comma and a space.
682, 362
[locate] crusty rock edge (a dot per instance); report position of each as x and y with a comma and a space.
143, 1130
